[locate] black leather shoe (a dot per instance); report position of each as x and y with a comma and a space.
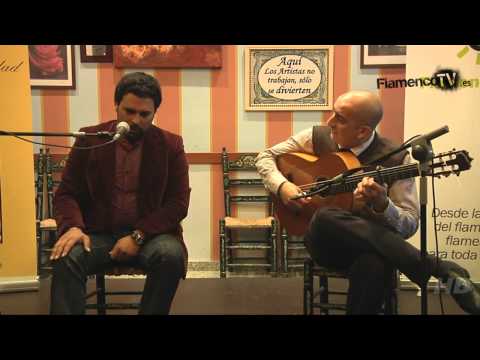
449, 268
464, 292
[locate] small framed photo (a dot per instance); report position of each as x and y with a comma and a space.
288, 78
167, 56
96, 53
378, 56
52, 66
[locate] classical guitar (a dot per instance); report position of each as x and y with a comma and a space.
328, 181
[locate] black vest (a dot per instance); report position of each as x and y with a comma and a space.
322, 142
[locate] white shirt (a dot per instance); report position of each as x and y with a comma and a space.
402, 212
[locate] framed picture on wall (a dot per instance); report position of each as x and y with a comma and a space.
96, 53
284, 78
167, 56
378, 56
52, 66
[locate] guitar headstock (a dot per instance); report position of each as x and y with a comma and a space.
451, 162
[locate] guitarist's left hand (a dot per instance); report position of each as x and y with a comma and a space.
372, 193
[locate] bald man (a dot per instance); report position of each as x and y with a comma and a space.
369, 241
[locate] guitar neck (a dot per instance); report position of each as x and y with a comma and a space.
349, 183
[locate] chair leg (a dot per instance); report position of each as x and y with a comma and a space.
388, 304
273, 247
39, 249
394, 302
395, 293
223, 250
43, 257
307, 288
101, 298
323, 281
391, 297
285, 251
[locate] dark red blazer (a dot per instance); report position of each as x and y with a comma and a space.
84, 196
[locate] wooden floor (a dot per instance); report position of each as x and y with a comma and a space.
214, 296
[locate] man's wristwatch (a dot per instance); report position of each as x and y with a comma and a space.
138, 237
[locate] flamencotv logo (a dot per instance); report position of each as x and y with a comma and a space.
443, 79
466, 50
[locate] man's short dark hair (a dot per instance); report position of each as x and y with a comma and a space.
141, 85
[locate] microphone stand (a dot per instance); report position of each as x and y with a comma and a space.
423, 152
75, 134
70, 134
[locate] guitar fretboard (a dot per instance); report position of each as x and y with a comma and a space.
349, 183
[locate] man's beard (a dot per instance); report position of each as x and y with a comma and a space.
135, 133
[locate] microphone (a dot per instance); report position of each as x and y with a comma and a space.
421, 147
434, 134
122, 129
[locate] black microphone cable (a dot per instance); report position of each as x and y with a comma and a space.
398, 149
436, 244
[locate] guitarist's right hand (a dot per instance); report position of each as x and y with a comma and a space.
289, 190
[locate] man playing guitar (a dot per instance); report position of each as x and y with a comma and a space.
368, 238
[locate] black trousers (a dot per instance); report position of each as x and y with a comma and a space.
163, 259
368, 252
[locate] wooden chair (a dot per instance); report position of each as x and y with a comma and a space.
230, 258
50, 168
39, 176
42, 222
38, 170
101, 293
324, 302
294, 252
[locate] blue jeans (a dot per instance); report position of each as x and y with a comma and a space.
162, 258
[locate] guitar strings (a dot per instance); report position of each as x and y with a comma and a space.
305, 186
358, 178
355, 179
